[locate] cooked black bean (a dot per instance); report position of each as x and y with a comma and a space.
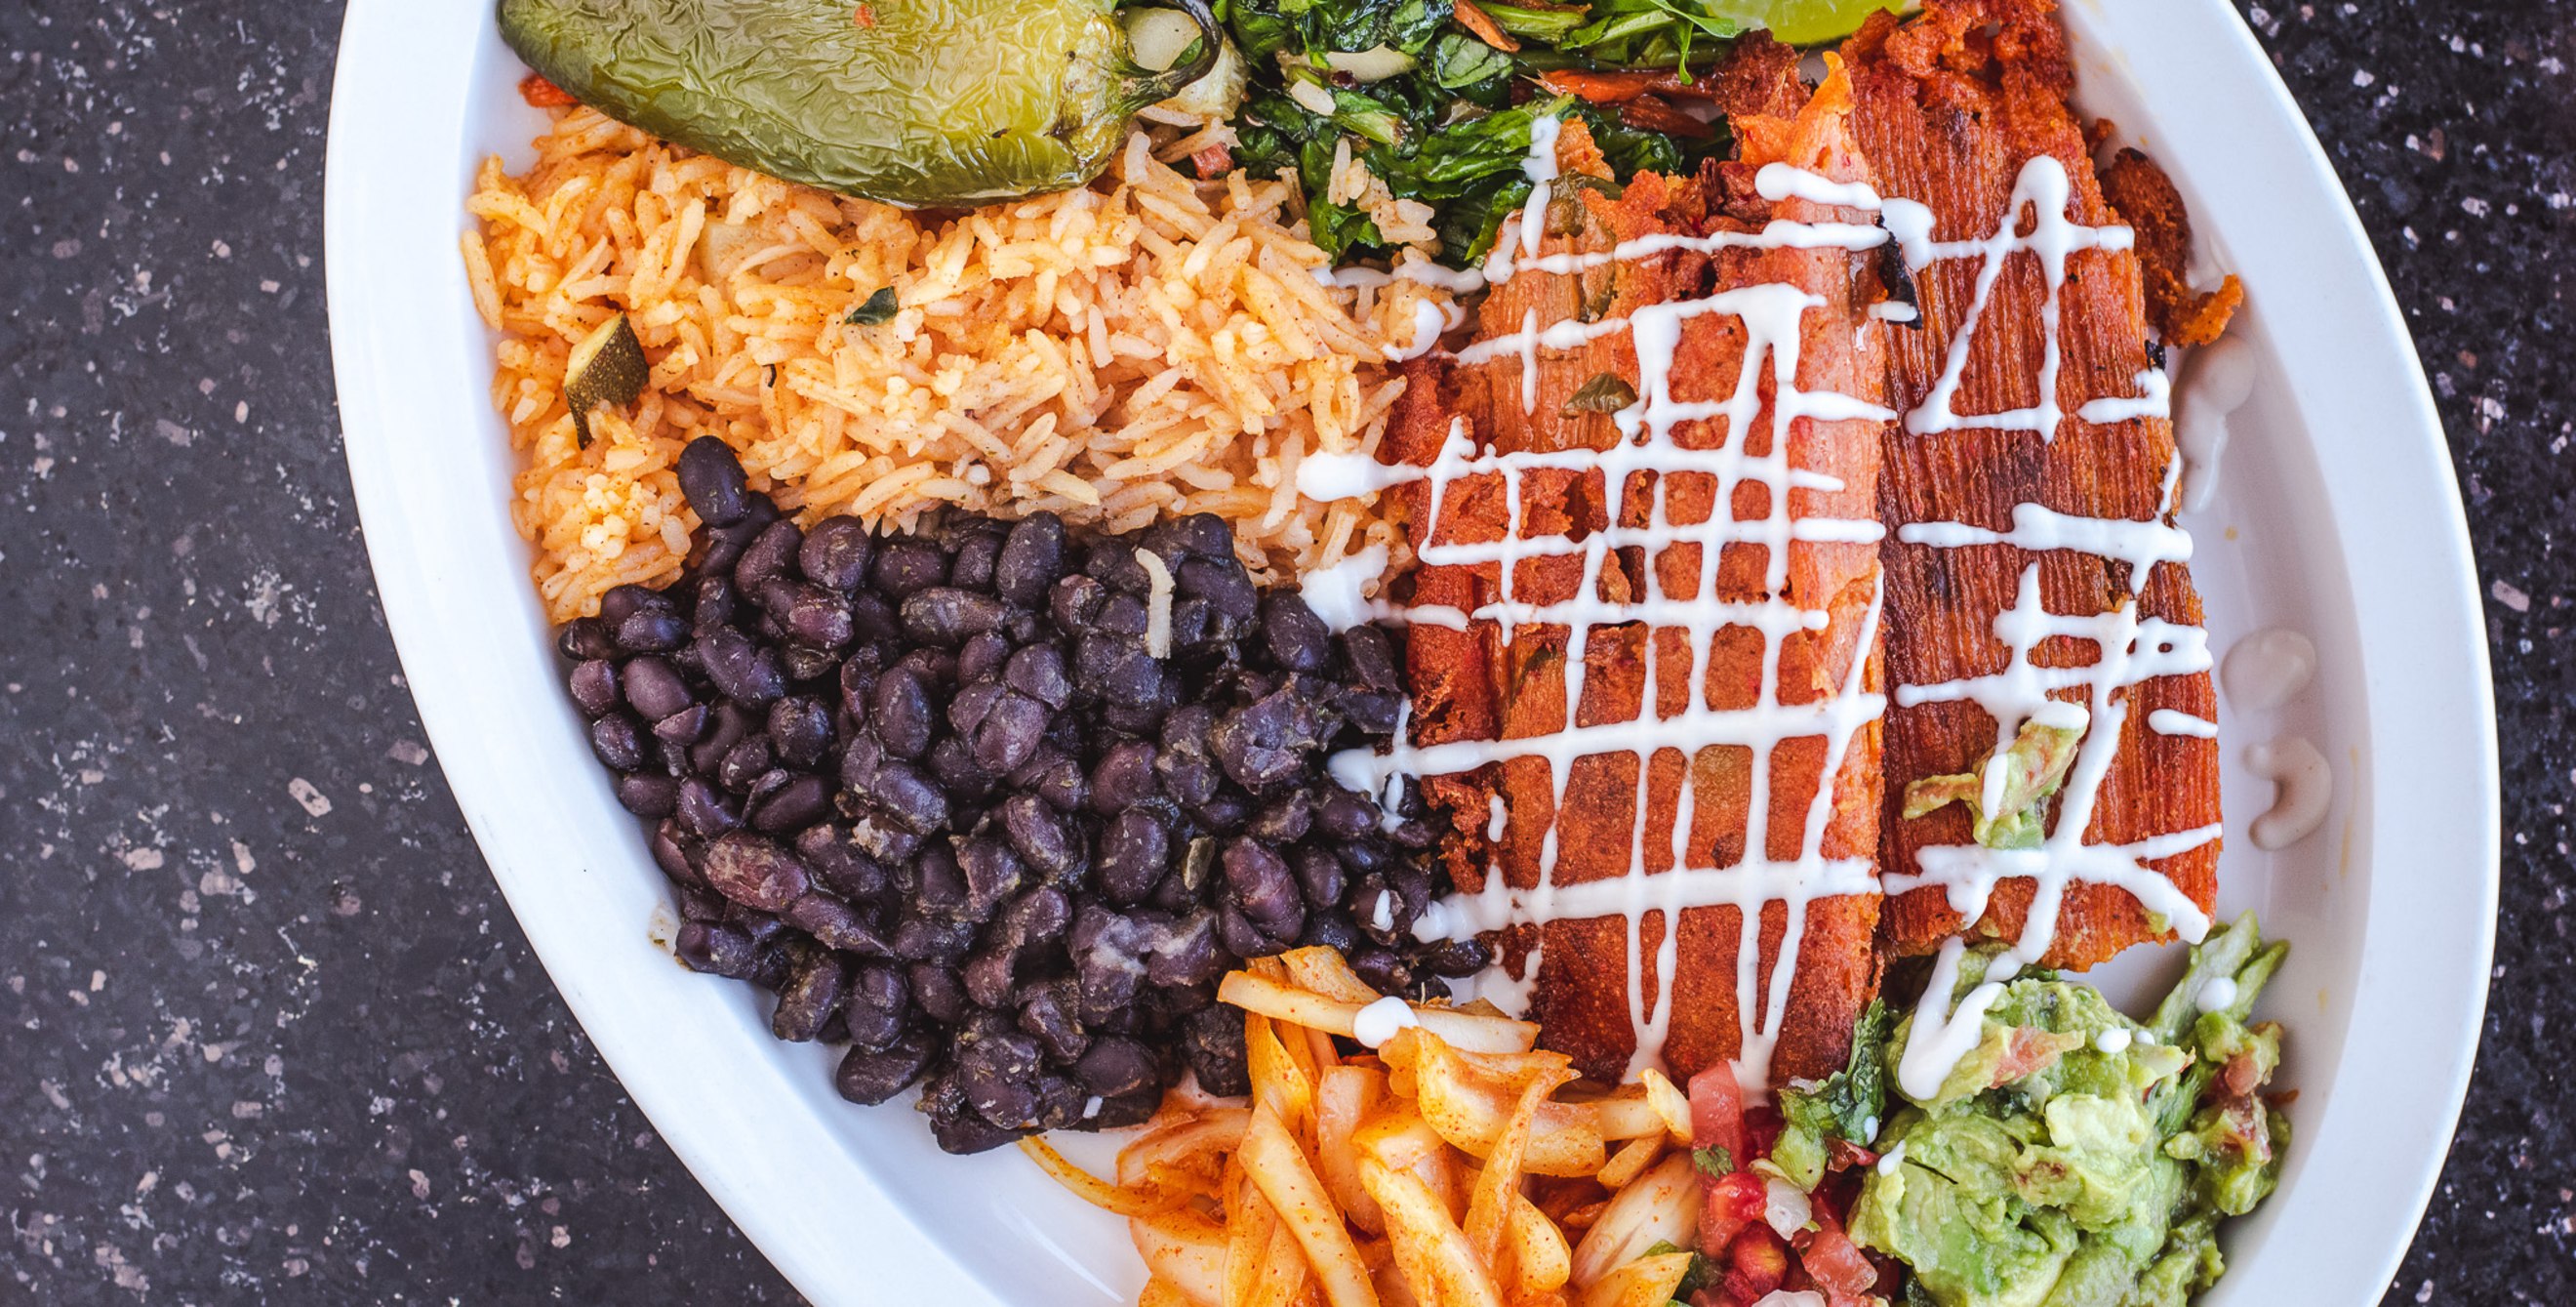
716, 950
754, 872
838, 863
800, 731
618, 741
947, 615
838, 925
647, 795
793, 806
712, 480
653, 688
706, 811
939, 992
812, 996
1212, 1045
905, 565
587, 638
594, 686
874, 1076
1032, 558
772, 554
1050, 1014
1134, 851
1124, 777
1297, 638
836, 553
1041, 835
745, 672
745, 763
949, 752
671, 851
878, 1001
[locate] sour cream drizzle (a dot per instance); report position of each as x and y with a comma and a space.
2134, 648
1661, 878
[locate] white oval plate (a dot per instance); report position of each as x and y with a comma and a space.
2336, 515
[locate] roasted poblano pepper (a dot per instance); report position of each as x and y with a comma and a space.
925, 103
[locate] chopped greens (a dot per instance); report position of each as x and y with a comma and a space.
1713, 1160
2034, 766
1427, 106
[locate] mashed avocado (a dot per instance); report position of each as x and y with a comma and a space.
2077, 1158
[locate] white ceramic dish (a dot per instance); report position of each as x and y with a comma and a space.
2336, 515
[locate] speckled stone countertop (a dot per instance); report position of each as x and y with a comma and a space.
267, 1031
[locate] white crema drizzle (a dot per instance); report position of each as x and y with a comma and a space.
1771, 316
2134, 649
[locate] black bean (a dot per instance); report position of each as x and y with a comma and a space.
653, 688
1297, 638
812, 996
997, 1066
1134, 852
1381, 968
838, 925
1457, 957
1009, 733
1125, 615
1371, 657
836, 553
1329, 930
979, 552
715, 950
1040, 915
905, 565
799, 803
839, 864
900, 711
1074, 601
1032, 558
873, 617
1041, 836
1223, 583
881, 837
594, 686
939, 887
982, 657
958, 1128
1185, 953
873, 1077
988, 978
705, 811
1265, 888
712, 480
618, 741
1319, 876
992, 871
742, 671
647, 795
1039, 672
772, 554
955, 768
938, 992
652, 632
745, 764
1224, 813
1115, 1067
878, 1001
1108, 961
619, 602
1189, 777
947, 615
1048, 1014
715, 604
1124, 777
1284, 821
754, 872
726, 729
698, 903
817, 617
672, 846
1212, 1045
800, 731
1265, 743
586, 638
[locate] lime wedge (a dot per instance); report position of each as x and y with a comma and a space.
1805, 22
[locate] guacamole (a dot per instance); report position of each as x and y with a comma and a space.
2077, 1158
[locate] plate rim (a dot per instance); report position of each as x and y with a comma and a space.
383, 49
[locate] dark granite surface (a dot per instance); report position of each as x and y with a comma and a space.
268, 1033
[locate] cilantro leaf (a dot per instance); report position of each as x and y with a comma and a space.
879, 309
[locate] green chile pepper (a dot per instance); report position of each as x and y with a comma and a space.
922, 103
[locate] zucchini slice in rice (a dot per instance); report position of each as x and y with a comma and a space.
607, 367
